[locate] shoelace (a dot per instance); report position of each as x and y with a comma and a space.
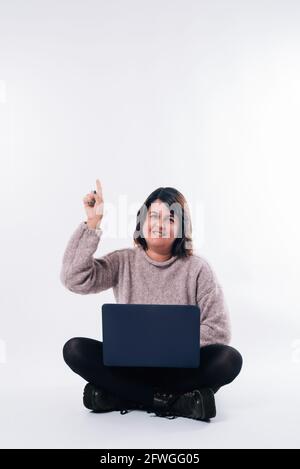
168, 412
163, 413
159, 413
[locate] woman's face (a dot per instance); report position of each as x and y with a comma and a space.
161, 227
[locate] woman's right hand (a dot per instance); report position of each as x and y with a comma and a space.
94, 205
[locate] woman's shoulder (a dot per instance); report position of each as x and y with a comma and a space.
201, 264
198, 259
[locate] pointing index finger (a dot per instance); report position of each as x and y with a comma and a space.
99, 187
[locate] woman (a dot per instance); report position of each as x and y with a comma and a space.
160, 268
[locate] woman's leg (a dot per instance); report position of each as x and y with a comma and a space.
219, 365
85, 357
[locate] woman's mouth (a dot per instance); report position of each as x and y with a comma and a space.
157, 233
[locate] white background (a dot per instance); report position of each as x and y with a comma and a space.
199, 95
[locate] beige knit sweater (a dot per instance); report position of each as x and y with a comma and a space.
136, 278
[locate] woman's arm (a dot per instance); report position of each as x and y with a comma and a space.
215, 325
81, 272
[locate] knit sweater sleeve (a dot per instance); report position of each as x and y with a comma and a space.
215, 324
80, 271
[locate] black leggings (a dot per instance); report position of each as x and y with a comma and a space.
219, 365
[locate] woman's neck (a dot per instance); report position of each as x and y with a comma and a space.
158, 256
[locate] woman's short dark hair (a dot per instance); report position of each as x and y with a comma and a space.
182, 246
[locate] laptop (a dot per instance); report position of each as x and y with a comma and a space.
151, 335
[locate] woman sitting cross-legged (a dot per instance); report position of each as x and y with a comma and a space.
161, 268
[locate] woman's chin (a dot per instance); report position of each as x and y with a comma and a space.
160, 243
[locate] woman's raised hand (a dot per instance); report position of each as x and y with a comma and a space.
94, 205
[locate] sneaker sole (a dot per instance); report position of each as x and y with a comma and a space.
202, 404
205, 407
90, 403
108, 403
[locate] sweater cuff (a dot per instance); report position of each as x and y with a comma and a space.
91, 231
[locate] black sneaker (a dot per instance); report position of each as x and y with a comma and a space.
99, 400
198, 404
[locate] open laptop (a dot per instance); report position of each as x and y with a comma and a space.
151, 335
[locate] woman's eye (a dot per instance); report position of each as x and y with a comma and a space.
154, 215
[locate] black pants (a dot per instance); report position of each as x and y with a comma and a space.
219, 365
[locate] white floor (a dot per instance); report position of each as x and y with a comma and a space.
255, 411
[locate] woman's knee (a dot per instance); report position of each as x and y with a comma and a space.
225, 360
82, 351
238, 359
71, 349
234, 362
